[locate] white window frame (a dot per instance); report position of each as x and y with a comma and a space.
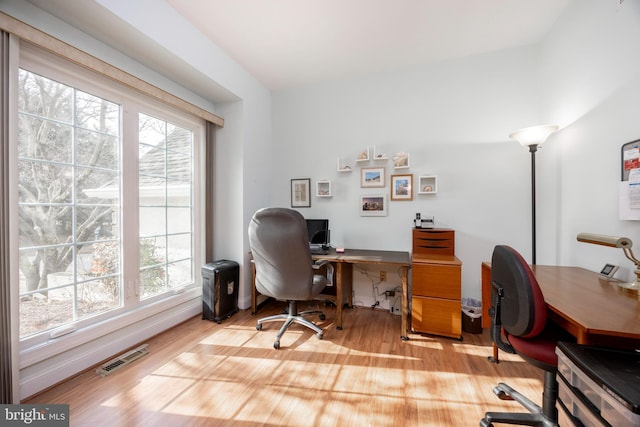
41, 346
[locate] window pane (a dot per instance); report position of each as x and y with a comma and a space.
152, 132
46, 310
96, 186
44, 97
97, 149
44, 182
152, 163
178, 166
97, 223
180, 274
44, 226
152, 251
179, 220
98, 259
152, 221
97, 114
179, 193
97, 296
179, 247
152, 281
42, 139
153, 191
179, 140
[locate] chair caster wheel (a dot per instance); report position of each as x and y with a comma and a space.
276, 345
322, 317
259, 326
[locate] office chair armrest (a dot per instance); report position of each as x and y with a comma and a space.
325, 263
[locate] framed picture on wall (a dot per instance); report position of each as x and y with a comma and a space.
402, 187
373, 205
372, 177
301, 193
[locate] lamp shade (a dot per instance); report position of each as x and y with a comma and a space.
534, 135
605, 240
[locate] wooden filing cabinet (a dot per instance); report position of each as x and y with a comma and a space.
436, 283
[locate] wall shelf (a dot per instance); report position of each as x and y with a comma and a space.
323, 189
401, 160
363, 156
344, 167
379, 156
428, 184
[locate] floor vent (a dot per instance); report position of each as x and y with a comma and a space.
123, 360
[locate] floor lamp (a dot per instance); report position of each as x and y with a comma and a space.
533, 137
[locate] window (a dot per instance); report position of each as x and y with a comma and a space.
87, 149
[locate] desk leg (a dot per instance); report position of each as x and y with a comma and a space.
254, 293
344, 273
405, 304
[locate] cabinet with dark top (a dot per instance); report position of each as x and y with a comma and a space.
436, 283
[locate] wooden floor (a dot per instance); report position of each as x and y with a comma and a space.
228, 374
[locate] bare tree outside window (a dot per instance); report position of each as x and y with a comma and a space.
70, 209
68, 149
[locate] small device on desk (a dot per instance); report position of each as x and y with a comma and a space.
420, 222
609, 270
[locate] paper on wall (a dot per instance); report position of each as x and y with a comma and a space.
630, 198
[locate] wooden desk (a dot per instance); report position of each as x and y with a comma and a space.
594, 310
344, 278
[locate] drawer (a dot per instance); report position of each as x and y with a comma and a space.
579, 384
434, 280
433, 241
436, 316
577, 408
565, 419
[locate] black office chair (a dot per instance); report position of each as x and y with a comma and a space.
284, 269
519, 312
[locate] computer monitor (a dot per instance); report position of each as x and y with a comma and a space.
318, 230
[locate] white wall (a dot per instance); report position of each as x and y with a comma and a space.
454, 117
591, 72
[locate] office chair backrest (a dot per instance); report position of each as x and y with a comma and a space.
523, 311
280, 248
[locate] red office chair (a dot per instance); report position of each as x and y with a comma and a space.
520, 313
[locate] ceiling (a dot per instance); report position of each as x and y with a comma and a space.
289, 43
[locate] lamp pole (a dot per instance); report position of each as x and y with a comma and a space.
533, 137
532, 149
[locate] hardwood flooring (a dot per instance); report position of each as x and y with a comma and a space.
206, 374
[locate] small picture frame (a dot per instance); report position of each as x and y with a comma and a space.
301, 193
402, 187
372, 177
373, 205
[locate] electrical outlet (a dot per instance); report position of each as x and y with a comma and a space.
383, 276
